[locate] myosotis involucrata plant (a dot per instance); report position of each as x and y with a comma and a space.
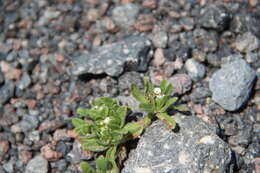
104, 128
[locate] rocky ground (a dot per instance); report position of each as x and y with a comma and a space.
57, 55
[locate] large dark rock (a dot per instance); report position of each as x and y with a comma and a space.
232, 84
195, 148
6, 92
215, 17
133, 53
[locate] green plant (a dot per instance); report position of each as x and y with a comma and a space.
104, 128
157, 100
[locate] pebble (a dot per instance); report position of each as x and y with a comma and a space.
125, 15
247, 42
24, 82
160, 39
6, 92
49, 154
4, 146
232, 84
199, 95
61, 135
159, 58
182, 83
37, 165
215, 17
195, 69
25, 156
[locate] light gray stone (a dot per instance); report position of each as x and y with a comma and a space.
195, 69
232, 84
247, 42
125, 15
37, 165
194, 148
132, 54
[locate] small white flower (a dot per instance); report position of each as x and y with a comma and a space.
157, 91
106, 120
160, 96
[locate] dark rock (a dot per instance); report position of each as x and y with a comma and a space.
28, 123
132, 53
125, 15
188, 150
215, 17
2, 77
206, 41
24, 82
6, 92
37, 165
195, 69
246, 23
183, 53
60, 164
129, 78
232, 84
199, 95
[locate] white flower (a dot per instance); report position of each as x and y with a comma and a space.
157, 91
106, 120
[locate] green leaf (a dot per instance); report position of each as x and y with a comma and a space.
94, 146
82, 112
169, 89
146, 107
137, 94
86, 168
169, 121
168, 104
111, 155
81, 126
102, 164
121, 113
107, 101
181, 108
148, 87
133, 128
163, 86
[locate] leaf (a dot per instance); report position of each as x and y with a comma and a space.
169, 121
86, 168
81, 126
102, 164
107, 101
82, 112
163, 86
146, 107
111, 155
181, 108
93, 146
137, 94
169, 89
148, 87
168, 104
133, 128
121, 113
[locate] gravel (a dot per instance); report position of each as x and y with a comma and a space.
232, 84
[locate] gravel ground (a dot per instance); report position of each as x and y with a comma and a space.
57, 55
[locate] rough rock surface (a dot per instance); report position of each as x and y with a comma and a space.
195, 69
133, 53
232, 84
195, 148
37, 165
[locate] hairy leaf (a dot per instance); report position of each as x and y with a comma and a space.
137, 94
146, 107
169, 89
169, 121
121, 113
81, 126
86, 168
163, 86
109, 102
181, 108
93, 146
168, 104
102, 164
